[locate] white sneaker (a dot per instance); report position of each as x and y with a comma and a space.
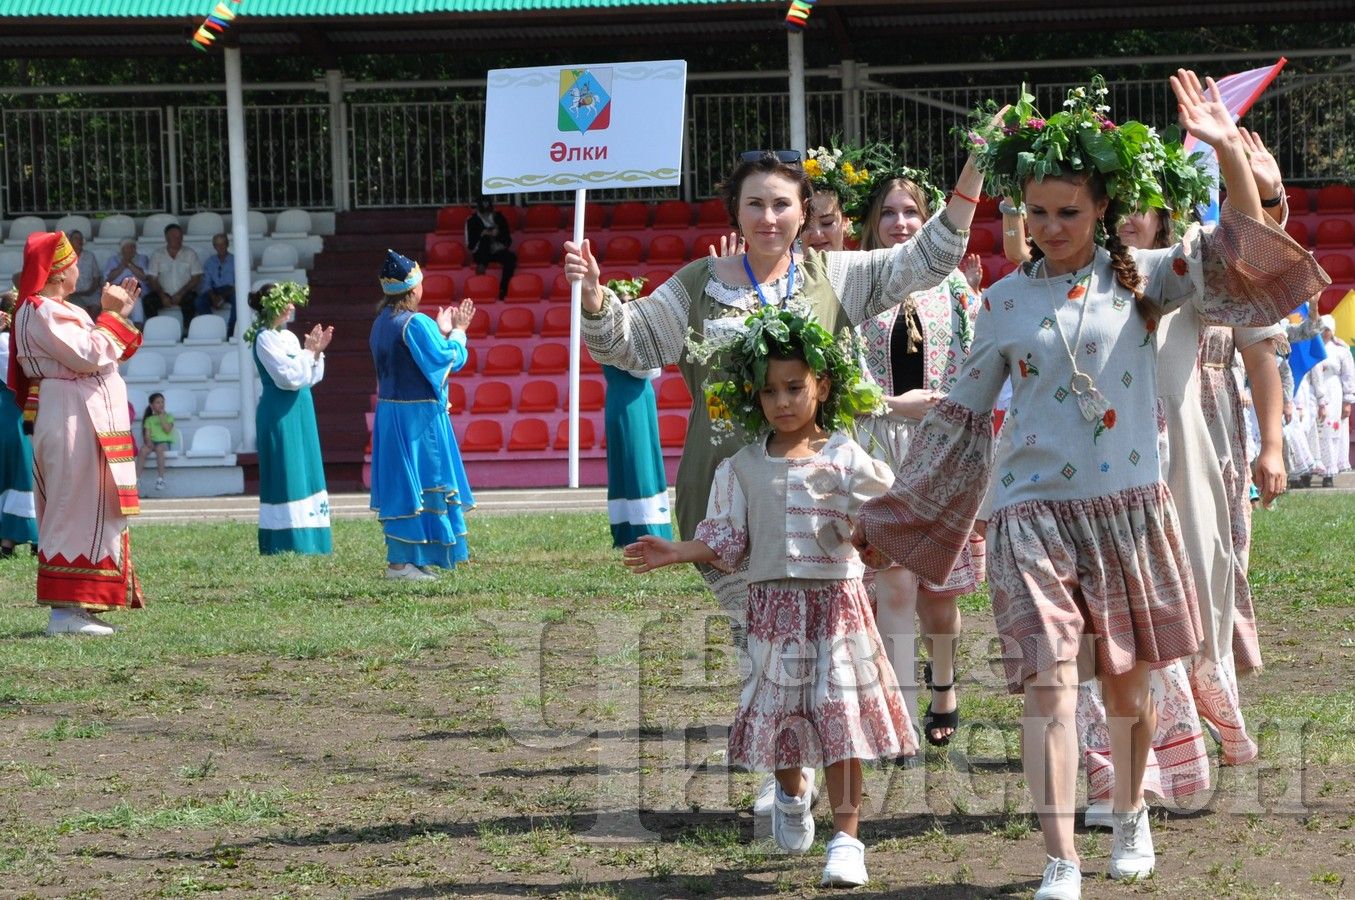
846, 866
762, 805
1131, 847
73, 620
792, 822
408, 572
1062, 881
1098, 815
159, 484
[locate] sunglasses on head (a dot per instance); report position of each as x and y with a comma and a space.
791, 157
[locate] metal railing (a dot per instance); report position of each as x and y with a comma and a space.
415, 154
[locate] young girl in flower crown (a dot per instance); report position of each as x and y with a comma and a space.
822, 691
1085, 552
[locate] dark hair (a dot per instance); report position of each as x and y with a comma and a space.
256, 297
8, 300
793, 349
172, 226
766, 164
149, 402
870, 223
1126, 273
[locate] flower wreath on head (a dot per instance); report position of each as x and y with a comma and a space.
274, 302
847, 171
889, 171
1142, 169
738, 371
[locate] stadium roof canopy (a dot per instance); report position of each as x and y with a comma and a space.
331, 29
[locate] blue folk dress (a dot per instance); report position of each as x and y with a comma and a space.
637, 486
18, 517
419, 487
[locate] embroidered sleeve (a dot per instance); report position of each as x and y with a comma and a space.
121, 330
869, 478
1243, 272
867, 284
647, 333
50, 331
725, 527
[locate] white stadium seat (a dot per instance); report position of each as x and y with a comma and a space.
76, 223
21, 228
229, 370
11, 261
191, 365
181, 403
115, 229
161, 331
204, 225
205, 330
209, 441
278, 258
155, 225
292, 223
146, 367
138, 398
221, 403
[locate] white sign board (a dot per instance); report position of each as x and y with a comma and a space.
613, 125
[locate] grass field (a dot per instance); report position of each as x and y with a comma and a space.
540, 723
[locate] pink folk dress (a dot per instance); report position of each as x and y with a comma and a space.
84, 464
1084, 540
821, 689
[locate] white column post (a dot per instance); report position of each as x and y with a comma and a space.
338, 140
235, 132
575, 322
172, 154
795, 52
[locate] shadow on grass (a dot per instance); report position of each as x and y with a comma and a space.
723, 883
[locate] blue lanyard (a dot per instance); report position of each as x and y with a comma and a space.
790, 279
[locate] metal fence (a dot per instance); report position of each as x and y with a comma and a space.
399, 154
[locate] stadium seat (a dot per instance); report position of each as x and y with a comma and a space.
182, 403
592, 395
479, 325
543, 217
470, 367
673, 214
588, 365
672, 430
712, 214
76, 223
1299, 232
594, 217
11, 261
278, 258
1300, 204
548, 359
452, 220
161, 331
1336, 198
1340, 268
1335, 233
587, 437
704, 244
1330, 298
673, 394
21, 228
146, 367
556, 322
503, 359
292, 223
654, 278
482, 436
221, 403
481, 288
204, 330
526, 287
228, 369
630, 216
986, 211
437, 289
456, 397
667, 248
210, 441
112, 229
529, 435
559, 289
622, 250
192, 365
535, 253
492, 397
204, 225
515, 322
539, 396
257, 223
153, 229
447, 253
981, 241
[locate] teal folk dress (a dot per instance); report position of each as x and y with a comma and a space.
293, 501
637, 487
18, 518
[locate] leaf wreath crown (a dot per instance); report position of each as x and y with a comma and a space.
855, 173
1142, 169
274, 302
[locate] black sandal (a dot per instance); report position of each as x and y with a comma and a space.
936, 720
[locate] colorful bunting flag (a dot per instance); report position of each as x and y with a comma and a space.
216, 23
798, 15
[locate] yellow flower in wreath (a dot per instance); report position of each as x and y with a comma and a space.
812, 168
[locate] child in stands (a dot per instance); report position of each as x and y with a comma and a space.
157, 436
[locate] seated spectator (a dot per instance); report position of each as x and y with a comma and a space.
88, 287
174, 273
488, 238
217, 289
157, 436
130, 264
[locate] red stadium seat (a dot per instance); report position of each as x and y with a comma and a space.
548, 359
525, 288
539, 396
437, 289
1336, 198
492, 397
673, 214
448, 254
630, 216
712, 214
452, 219
543, 217
456, 397
529, 434
981, 241
514, 322
609, 275
1340, 268
472, 361
1330, 299
479, 325
672, 430
503, 359
1335, 233
556, 322
516, 216
654, 278
588, 365
594, 218
1299, 232
622, 250
705, 243
482, 436
481, 288
592, 395
559, 289
667, 248
535, 253
1300, 204
986, 211
586, 434
673, 394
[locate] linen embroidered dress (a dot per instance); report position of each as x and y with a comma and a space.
1334, 384
821, 688
637, 486
1084, 537
84, 468
293, 499
841, 289
419, 487
18, 516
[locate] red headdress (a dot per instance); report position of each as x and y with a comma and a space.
46, 253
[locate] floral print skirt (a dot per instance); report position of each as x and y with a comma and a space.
821, 688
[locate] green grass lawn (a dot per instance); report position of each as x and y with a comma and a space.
290, 726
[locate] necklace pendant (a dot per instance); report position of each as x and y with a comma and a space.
1092, 404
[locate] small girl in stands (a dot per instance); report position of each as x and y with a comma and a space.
821, 691
157, 436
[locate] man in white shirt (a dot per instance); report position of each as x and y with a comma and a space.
88, 287
174, 274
